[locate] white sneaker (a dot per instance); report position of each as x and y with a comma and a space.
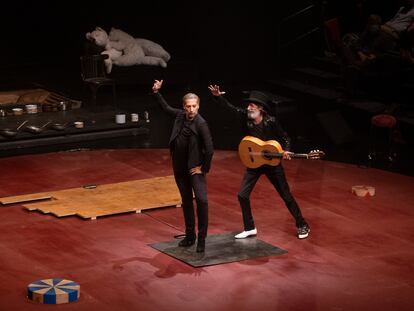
303, 232
246, 234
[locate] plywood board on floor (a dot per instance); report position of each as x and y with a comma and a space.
104, 200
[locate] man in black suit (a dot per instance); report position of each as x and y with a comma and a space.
191, 149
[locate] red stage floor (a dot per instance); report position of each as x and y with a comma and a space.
359, 255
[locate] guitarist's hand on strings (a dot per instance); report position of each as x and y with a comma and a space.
196, 170
286, 155
215, 90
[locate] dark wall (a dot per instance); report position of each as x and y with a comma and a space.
353, 14
223, 37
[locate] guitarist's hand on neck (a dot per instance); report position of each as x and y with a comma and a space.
286, 155
255, 113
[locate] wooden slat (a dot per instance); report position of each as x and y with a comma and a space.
25, 198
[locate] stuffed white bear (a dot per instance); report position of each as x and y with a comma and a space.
134, 51
100, 38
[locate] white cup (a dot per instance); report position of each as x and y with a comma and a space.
120, 118
134, 117
31, 109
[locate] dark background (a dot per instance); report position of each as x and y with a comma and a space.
239, 45
224, 38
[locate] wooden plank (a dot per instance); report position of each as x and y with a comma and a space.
25, 198
109, 199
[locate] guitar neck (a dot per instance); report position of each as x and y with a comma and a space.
299, 155
280, 155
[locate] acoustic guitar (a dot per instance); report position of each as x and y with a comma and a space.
255, 152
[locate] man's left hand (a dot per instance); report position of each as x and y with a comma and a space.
196, 170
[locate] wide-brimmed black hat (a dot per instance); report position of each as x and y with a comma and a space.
258, 98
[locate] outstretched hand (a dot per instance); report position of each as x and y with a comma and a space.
157, 85
215, 90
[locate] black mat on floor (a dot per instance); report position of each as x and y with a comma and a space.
220, 248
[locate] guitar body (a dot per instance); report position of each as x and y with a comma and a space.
255, 152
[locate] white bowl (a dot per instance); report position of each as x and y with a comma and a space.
17, 111
78, 124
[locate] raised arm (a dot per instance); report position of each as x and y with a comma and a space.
215, 91
160, 99
156, 87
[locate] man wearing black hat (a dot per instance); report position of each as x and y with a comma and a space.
191, 148
265, 127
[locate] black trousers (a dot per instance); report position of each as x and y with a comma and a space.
186, 183
276, 176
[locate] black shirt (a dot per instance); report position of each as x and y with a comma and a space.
256, 130
189, 151
180, 151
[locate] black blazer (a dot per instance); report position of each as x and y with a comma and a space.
201, 143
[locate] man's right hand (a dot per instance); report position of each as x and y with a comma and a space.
157, 85
215, 90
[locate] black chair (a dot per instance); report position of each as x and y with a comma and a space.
94, 75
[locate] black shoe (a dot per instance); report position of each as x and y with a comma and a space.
187, 241
201, 245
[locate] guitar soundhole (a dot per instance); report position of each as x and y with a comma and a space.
251, 157
267, 155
